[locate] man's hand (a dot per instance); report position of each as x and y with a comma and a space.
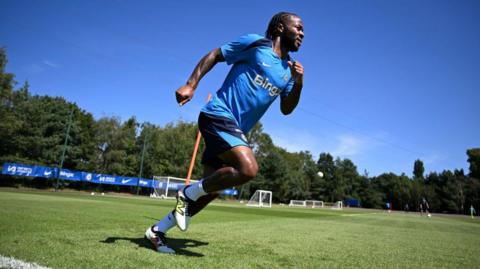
184, 94
288, 103
297, 72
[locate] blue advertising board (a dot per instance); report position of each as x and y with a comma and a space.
44, 171
66, 174
230, 192
109, 179
16, 169
145, 183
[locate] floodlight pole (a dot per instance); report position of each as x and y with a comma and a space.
64, 148
141, 161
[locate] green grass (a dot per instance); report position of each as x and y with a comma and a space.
76, 230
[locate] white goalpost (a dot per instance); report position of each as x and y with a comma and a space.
306, 203
166, 187
301, 203
314, 203
335, 206
261, 198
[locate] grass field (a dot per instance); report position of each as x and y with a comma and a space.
77, 230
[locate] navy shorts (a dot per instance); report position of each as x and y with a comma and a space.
220, 135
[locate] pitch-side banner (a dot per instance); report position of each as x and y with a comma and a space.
114, 180
146, 183
230, 192
17, 169
66, 174
46, 172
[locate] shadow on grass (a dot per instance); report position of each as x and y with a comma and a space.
179, 245
150, 218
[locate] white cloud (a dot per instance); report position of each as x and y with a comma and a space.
50, 64
34, 68
40, 67
301, 141
342, 146
432, 158
349, 145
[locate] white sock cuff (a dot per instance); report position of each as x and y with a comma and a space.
195, 190
200, 187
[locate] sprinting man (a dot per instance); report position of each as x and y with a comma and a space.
424, 207
261, 71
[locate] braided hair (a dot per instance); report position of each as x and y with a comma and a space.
278, 18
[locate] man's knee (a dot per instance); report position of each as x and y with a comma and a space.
248, 172
243, 163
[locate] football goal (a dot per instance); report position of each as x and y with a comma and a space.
261, 198
314, 203
335, 206
301, 203
166, 187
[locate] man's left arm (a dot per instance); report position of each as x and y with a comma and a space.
289, 102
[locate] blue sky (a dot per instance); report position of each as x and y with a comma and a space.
386, 82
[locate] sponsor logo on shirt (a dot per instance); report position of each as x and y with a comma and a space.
264, 83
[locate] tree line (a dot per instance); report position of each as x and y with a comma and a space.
33, 131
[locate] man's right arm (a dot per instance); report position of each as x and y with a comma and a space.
186, 92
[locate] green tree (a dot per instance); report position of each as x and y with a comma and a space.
395, 189
472, 184
273, 175
432, 188
84, 156
116, 147
472, 193
474, 161
369, 195
170, 150
300, 173
418, 169
40, 139
347, 170
9, 124
321, 186
417, 191
260, 142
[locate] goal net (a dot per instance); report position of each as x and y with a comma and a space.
336, 206
261, 198
302, 203
166, 187
314, 203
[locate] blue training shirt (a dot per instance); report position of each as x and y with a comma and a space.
258, 76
